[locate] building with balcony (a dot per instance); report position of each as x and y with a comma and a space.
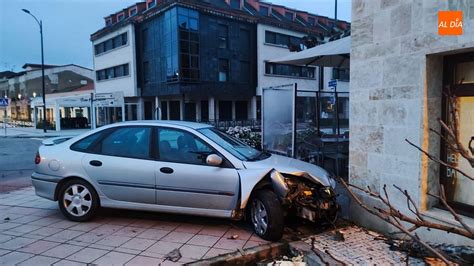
201, 60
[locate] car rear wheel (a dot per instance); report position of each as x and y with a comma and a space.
78, 200
267, 216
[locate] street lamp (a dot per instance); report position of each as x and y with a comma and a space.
34, 95
40, 23
19, 96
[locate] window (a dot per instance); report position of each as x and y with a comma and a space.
85, 144
182, 147
132, 142
312, 21
289, 15
164, 110
263, 10
233, 145
112, 43
113, 72
175, 110
108, 22
223, 70
189, 44
109, 45
289, 70
99, 48
152, 4
120, 17
241, 110
340, 74
133, 12
281, 39
204, 111
222, 35
225, 110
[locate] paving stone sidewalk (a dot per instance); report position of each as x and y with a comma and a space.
359, 247
34, 232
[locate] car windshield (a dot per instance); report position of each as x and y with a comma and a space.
233, 145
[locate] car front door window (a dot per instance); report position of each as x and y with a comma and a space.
182, 147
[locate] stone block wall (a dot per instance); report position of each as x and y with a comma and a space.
396, 82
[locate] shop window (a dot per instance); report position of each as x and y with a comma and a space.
225, 110
175, 110
241, 110
459, 76
164, 110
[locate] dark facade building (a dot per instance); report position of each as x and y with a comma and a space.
196, 60
191, 55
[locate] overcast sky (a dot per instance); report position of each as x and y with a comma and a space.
67, 25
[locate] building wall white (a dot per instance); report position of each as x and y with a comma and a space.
267, 52
121, 55
396, 89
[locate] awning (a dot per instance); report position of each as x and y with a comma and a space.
331, 54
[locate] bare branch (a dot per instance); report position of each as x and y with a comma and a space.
383, 215
431, 157
456, 216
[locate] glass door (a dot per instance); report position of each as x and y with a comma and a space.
459, 75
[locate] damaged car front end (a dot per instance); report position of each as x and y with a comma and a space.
304, 190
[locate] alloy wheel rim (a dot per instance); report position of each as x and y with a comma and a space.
259, 217
77, 200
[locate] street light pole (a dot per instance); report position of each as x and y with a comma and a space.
40, 23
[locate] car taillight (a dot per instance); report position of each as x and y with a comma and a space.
37, 158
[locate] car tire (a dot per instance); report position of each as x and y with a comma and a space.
265, 208
78, 200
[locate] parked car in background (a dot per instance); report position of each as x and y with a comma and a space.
180, 167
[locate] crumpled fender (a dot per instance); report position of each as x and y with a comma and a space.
249, 178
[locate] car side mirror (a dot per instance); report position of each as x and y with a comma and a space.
214, 160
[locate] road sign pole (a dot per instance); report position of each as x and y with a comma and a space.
5, 121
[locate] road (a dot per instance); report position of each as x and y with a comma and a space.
17, 157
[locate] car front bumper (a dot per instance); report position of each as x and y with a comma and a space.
45, 185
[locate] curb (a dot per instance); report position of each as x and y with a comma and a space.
247, 257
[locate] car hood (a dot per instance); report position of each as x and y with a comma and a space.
286, 165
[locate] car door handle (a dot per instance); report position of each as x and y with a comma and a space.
166, 170
95, 163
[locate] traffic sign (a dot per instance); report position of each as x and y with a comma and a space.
3, 102
332, 83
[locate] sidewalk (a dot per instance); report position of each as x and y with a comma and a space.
34, 232
30, 132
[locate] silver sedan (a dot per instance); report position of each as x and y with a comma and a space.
180, 167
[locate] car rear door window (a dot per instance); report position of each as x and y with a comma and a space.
132, 142
182, 147
86, 143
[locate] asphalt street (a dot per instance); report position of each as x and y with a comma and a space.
17, 157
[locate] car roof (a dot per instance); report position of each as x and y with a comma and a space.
192, 125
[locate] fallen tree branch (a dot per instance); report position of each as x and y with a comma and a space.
456, 216
387, 216
431, 157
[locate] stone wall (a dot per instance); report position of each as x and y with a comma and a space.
396, 80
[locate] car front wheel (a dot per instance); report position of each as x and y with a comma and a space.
77, 200
267, 215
